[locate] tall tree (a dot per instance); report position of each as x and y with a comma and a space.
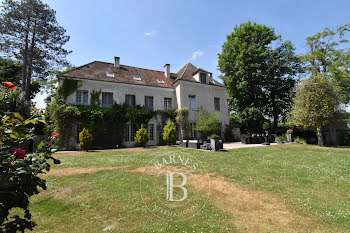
316, 104
258, 75
329, 54
30, 33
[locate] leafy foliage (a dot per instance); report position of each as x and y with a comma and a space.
13, 101
169, 133
95, 97
316, 104
300, 140
85, 139
19, 172
139, 115
258, 75
182, 119
208, 122
214, 136
69, 86
31, 34
142, 136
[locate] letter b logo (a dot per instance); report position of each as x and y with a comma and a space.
171, 186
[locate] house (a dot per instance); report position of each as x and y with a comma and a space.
190, 87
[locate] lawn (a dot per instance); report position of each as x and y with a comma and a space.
284, 188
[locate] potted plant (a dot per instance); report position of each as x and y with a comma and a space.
214, 142
289, 135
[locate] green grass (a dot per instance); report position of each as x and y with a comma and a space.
313, 181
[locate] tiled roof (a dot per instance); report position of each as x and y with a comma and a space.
103, 71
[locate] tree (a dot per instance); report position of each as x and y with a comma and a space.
30, 33
208, 123
169, 134
142, 136
258, 77
13, 101
182, 119
328, 55
85, 139
10, 71
316, 104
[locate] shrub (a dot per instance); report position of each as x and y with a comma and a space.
169, 134
281, 138
214, 136
208, 122
85, 139
141, 136
21, 171
300, 140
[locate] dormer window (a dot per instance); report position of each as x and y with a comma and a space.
203, 78
160, 81
137, 78
110, 75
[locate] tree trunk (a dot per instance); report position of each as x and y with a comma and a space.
275, 123
30, 64
25, 58
320, 136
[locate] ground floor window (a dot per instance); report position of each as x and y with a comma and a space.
129, 133
79, 129
150, 132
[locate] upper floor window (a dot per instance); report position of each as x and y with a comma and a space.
192, 102
217, 104
81, 97
149, 102
107, 99
167, 103
203, 77
130, 100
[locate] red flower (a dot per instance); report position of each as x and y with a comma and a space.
10, 85
20, 153
55, 135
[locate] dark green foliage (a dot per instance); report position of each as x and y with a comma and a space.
214, 136
31, 34
258, 69
13, 101
85, 139
208, 123
19, 172
142, 136
229, 137
169, 133
95, 97
139, 115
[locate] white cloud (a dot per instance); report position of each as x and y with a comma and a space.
197, 54
151, 33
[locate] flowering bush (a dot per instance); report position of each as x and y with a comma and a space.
19, 171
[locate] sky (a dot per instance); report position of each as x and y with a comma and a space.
151, 33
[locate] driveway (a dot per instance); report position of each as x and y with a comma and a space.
238, 145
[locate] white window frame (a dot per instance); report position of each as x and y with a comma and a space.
192, 105
217, 107
168, 103
150, 131
149, 102
84, 97
107, 105
129, 96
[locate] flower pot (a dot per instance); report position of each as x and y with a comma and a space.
214, 144
289, 137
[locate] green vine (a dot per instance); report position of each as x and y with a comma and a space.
95, 97
68, 87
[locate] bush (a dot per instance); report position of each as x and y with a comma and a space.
208, 122
21, 171
141, 136
214, 136
85, 139
169, 134
300, 140
281, 138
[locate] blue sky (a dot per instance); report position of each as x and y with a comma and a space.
151, 33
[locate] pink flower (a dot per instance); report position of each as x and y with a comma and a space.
20, 153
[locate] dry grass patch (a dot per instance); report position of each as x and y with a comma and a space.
252, 211
79, 170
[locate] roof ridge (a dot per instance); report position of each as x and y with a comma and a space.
134, 67
184, 71
76, 68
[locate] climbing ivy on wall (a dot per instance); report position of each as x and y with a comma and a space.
95, 97
68, 87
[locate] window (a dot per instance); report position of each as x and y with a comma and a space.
150, 132
81, 98
149, 102
203, 77
192, 102
193, 131
160, 81
167, 103
130, 100
79, 129
217, 104
107, 99
127, 133
132, 133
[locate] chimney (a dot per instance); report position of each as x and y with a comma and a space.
167, 70
116, 62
